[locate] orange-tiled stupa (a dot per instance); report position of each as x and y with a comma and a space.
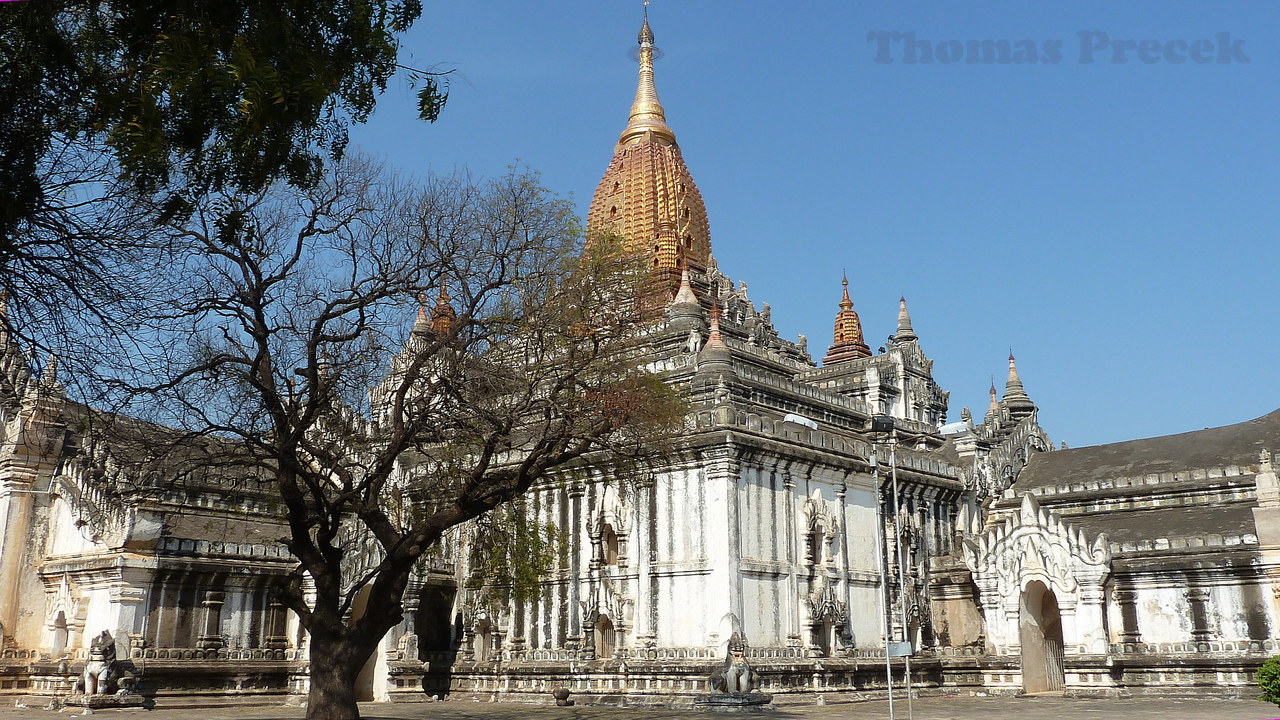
848, 344
647, 196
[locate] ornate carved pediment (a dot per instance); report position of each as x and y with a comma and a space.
1033, 543
824, 606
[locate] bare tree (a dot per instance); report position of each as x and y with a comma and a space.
285, 330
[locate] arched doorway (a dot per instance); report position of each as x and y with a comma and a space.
58, 642
364, 681
606, 637
434, 621
1040, 633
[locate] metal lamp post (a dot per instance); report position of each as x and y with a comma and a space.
884, 425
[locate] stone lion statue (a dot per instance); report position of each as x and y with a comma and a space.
735, 677
102, 674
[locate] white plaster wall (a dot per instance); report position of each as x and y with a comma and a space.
1115, 621
682, 526
1163, 615
761, 517
64, 537
763, 620
866, 621
237, 619
682, 611
860, 519
1229, 607
100, 614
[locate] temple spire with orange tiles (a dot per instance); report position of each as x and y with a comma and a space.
443, 315
848, 342
647, 198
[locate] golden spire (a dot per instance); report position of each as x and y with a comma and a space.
848, 343
648, 121
647, 197
443, 315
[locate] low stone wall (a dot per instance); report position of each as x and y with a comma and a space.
671, 683
173, 682
638, 682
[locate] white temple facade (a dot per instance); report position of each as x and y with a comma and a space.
809, 509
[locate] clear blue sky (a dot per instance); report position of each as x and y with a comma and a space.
1114, 224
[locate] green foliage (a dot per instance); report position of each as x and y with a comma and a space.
1269, 680
192, 97
511, 556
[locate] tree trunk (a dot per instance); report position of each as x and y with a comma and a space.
335, 665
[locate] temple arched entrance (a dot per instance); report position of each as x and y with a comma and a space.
364, 681
1040, 635
606, 637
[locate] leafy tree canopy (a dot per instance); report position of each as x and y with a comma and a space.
189, 97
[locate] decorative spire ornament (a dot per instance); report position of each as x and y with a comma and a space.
685, 294
443, 315
714, 338
848, 342
1015, 396
647, 198
905, 332
422, 324
648, 121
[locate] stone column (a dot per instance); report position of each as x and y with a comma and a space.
211, 637
1091, 618
1070, 622
589, 634
468, 648
1198, 599
646, 615
843, 590
1128, 602
792, 597
15, 512
724, 592
574, 637
1011, 627
128, 604
277, 635
33, 443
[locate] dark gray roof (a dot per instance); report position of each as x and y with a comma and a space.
1171, 522
1218, 447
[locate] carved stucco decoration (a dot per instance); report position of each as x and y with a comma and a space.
1036, 544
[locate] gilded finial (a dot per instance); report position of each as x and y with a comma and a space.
645, 32
648, 121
